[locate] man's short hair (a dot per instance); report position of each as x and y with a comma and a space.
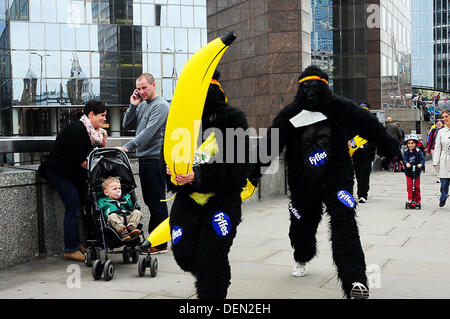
146, 76
109, 181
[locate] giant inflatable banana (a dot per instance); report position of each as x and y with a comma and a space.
186, 109
161, 234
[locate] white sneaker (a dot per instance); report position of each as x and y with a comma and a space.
359, 291
362, 200
299, 270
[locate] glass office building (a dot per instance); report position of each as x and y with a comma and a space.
441, 44
322, 36
58, 54
365, 47
422, 43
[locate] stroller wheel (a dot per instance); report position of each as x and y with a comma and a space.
134, 255
154, 267
126, 255
406, 205
89, 256
97, 269
108, 271
141, 267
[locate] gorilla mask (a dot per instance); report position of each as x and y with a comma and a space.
313, 88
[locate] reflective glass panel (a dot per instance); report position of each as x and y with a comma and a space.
53, 64
167, 65
37, 36
153, 39
187, 16
21, 63
52, 37
49, 10
19, 35
68, 37
200, 17
154, 64
82, 36
167, 40
194, 42
35, 10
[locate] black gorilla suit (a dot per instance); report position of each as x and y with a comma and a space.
203, 234
320, 172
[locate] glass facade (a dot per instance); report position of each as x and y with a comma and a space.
349, 39
58, 54
441, 44
322, 48
366, 61
395, 49
338, 42
422, 74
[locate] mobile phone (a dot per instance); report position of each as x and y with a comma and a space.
137, 95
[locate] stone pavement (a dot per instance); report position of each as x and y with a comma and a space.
407, 253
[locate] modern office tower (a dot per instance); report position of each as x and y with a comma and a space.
422, 74
441, 43
366, 48
57, 54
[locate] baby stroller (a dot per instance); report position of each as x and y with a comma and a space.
102, 163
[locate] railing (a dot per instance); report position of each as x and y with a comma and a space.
28, 149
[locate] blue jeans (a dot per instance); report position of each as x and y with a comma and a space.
444, 188
70, 196
153, 185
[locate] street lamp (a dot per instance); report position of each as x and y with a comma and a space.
41, 56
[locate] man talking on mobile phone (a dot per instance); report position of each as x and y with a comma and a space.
147, 114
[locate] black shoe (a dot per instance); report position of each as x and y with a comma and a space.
442, 203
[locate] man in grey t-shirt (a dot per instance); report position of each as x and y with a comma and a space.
147, 114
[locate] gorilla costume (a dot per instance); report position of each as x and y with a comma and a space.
205, 213
314, 129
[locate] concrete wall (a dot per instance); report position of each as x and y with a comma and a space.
32, 213
407, 119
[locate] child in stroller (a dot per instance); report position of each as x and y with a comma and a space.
98, 233
117, 209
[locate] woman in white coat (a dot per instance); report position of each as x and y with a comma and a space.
441, 157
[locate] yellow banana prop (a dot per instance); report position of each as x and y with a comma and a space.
161, 234
185, 114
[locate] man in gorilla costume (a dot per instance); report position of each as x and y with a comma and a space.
207, 208
314, 128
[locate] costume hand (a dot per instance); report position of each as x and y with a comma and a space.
185, 179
